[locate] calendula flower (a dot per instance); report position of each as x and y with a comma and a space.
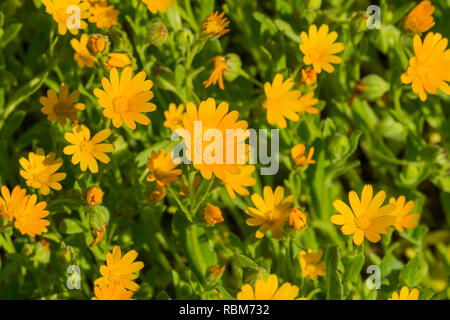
405, 294
158, 194
271, 211
236, 183
366, 217
157, 34
94, 196
97, 43
159, 5
126, 99
103, 16
429, 69
120, 270
117, 60
29, 217
10, 202
174, 117
87, 151
220, 66
309, 77
299, 157
39, 170
309, 262
215, 25
82, 55
420, 19
282, 102
401, 213
212, 157
268, 290
63, 13
112, 291
212, 214
319, 48
162, 168
63, 107
297, 219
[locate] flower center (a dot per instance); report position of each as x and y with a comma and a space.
40, 176
315, 54
362, 222
86, 146
61, 109
61, 15
120, 105
310, 269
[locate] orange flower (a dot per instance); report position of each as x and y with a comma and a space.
94, 196
162, 168
112, 291
236, 183
174, 116
401, 213
220, 66
405, 294
103, 16
117, 60
212, 214
63, 14
82, 55
268, 290
299, 157
10, 202
420, 19
215, 25
309, 264
159, 5
297, 219
29, 217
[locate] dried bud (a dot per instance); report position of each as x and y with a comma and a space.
157, 34
158, 194
212, 214
94, 196
214, 273
297, 219
97, 43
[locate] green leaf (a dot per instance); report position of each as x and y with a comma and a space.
9, 34
70, 226
388, 264
286, 28
335, 290
12, 124
410, 273
353, 268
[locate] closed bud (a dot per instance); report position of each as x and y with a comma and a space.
158, 194
212, 214
234, 65
157, 34
94, 196
374, 87
297, 219
98, 217
97, 43
66, 254
184, 38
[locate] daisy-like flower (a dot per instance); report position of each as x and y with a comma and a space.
87, 151
282, 102
215, 25
63, 107
117, 60
309, 77
82, 55
174, 116
64, 16
159, 5
120, 270
103, 16
299, 157
29, 217
429, 69
112, 291
271, 212
39, 170
297, 219
236, 183
201, 151
420, 19
366, 217
309, 262
405, 294
162, 168
268, 290
11, 201
401, 213
319, 48
220, 66
124, 100
212, 214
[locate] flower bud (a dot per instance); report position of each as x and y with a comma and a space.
66, 254
375, 87
297, 219
184, 39
97, 43
94, 196
339, 146
212, 214
157, 34
309, 77
98, 217
214, 273
158, 194
234, 65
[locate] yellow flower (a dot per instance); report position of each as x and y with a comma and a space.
218, 118
236, 183
270, 212
429, 69
11, 201
366, 217
120, 270
283, 103
94, 196
420, 19
174, 117
319, 48
29, 217
159, 5
405, 294
212, 214
112, 291
309, 264
87, 151
124, 100
158, 194
82, 55
299, 157
268, 290
297, 219
64, 15
220, 66
97, 43
309, 77
401, 214
103, 16
215, 25
63, 107
162, 168
40, 171
117, 60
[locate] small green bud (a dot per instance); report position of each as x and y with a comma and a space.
374, 87
184, 39
67, 254
98, 217
339, 146
234, 65
157, 34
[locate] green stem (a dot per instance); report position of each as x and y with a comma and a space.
254, 81
205, 197
6, 226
